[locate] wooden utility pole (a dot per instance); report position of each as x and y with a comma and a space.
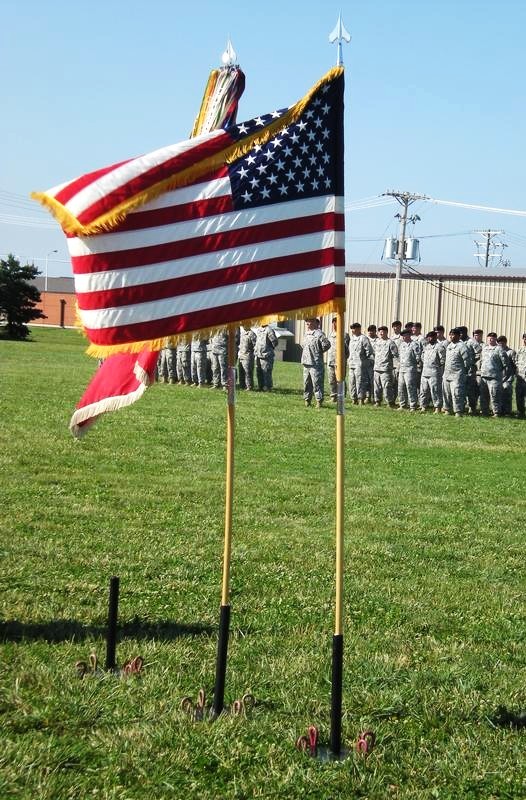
405, 199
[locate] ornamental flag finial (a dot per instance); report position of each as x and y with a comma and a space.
339, 34
229, 57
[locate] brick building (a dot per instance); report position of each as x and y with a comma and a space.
57, 301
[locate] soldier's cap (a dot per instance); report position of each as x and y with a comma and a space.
385, 328
462, 329
310, 319
456, 331
355, 325
431, 335
406, 332
501, 339
408, 325
416, 325
478, 330
492, 333
371, 328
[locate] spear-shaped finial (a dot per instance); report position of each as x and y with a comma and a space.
339, 34
229, 57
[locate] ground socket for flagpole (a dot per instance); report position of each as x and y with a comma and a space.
326, 754
309, 745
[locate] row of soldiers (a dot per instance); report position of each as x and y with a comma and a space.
454, 374
403, 368
204, 362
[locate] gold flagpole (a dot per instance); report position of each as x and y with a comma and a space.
337, 641
338, 35
224, 618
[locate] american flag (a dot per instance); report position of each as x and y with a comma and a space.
246, 222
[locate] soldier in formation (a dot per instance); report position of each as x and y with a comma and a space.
315, 344
198, 350
219, 359
433, 360
360, 353
494, 370
410, 359
246, 358
184, 365
266, 343
385, 355
507, 385
456, 367
167, 365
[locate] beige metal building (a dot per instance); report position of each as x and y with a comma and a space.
491, 299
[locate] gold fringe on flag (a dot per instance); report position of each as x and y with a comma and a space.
320, 310
111, 219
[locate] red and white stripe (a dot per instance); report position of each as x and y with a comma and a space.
188, 260
97, 193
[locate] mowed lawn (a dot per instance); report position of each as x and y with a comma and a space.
435, 590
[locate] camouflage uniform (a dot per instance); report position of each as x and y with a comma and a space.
456, 368
520, 381
360, 351
396, 338
420, 341
493, 370
266, 342
219, 356
198, 355
369, 381
385, 353
247, 341
507, 385
315, 344
184, 367
331, 363
443, 343
473, 381
433, 360
407, 377
167, 365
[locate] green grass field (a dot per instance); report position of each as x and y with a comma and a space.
435, 613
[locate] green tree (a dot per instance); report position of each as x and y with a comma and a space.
18, 297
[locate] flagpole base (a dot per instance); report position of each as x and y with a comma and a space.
222, 651
336, 695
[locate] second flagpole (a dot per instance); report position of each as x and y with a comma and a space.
337, 639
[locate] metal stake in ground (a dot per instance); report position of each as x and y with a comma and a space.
111, 639
224, 619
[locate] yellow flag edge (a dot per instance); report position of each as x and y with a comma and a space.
111, 219
320, 310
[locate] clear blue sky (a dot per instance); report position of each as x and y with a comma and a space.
434, 103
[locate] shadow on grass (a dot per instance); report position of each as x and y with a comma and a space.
65, 630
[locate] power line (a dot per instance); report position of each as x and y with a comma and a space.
476, 207
460, 294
